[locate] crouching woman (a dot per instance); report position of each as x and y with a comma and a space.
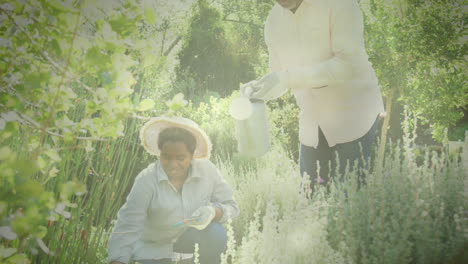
177, 201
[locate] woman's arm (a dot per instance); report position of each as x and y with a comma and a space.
222, 198
130, 220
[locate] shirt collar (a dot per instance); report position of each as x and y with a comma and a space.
162, 176
304, 2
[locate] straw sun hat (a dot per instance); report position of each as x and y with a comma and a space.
149, 135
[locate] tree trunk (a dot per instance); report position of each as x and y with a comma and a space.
384, 132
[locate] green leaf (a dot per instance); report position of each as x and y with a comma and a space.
122, 25
150, 16
19, 259
106, 78
72, 188
55, 47
52, 174
53, 155
95, 56
145, 105
107, 32
41, 164
7, 252
21, 226
5, 153
89, 146
3, 207
58, 5
36, 80
68, 136
40, 232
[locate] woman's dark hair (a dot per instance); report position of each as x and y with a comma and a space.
177, 134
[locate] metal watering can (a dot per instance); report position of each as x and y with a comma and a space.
251, 125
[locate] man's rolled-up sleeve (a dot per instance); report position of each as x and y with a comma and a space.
130, 219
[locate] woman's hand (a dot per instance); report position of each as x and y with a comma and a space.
204, 215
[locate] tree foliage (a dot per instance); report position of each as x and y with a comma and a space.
245, 22
66, 82
418, 51
209, 61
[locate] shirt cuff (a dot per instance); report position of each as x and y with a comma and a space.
225, 210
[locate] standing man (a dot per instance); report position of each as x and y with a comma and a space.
316, 48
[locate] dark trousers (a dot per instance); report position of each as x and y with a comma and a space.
212, 242
359, 149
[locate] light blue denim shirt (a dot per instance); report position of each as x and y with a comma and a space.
144, 223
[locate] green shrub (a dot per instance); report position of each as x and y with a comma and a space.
405, 214
409, 211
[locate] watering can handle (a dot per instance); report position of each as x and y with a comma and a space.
247, 90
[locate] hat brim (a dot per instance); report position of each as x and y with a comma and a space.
149, 135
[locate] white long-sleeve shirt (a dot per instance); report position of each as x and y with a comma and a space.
321, 46
144, 225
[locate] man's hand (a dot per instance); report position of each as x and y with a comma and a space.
205, 215
246, 89
270, 86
